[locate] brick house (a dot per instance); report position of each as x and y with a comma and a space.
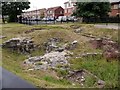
54, 12
69, 8
115, 9
40, 13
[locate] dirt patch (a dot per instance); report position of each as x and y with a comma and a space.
33, 29
109, 47
81, 77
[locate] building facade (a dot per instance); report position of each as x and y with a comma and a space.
54, 12
69, 8
40, 13
115, 9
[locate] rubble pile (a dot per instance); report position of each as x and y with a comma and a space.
22, 45
111, 54
79, 30
90, 54
80, 76
74, 26
56, 55
49, 60
71, 45
54, 44
1, 37
109, 47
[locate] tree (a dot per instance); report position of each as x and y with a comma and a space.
12, 9
92, 9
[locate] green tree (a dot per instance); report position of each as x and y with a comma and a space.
12, 9
92, 9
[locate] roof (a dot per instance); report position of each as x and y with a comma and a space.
69, 2
66, 2
115, 3
42, 9
35, 10
54, 8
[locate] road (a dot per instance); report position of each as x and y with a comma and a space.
9, 80
109, 26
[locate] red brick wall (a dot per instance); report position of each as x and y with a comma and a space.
57, 12
114, 12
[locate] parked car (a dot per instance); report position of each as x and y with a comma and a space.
44, 19
65, 18
61, 18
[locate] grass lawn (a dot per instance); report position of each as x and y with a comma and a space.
12, 61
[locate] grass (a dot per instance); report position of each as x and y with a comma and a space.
107, 71
53, 80
12, 61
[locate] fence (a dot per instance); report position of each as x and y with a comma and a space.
102, 20
86, 20
36, 21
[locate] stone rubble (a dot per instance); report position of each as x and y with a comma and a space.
49, 60
79, 30
71, 45
90, 54
1, 37
101, 84
22, 45
109, 47
51, 44
74, 26
79, 76
54, 44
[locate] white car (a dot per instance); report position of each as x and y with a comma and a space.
45, 19
61, 18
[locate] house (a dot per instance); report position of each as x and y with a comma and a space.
115, 9
39, 13
54, 12
69, 8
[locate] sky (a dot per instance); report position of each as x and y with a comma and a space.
38, 4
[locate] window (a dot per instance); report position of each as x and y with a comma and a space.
61, 12
115, 6
69, 10
68, 4
66, 11
47, 12
65, 5
50, 12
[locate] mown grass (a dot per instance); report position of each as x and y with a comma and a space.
12, 61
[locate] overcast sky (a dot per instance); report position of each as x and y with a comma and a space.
37, 4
